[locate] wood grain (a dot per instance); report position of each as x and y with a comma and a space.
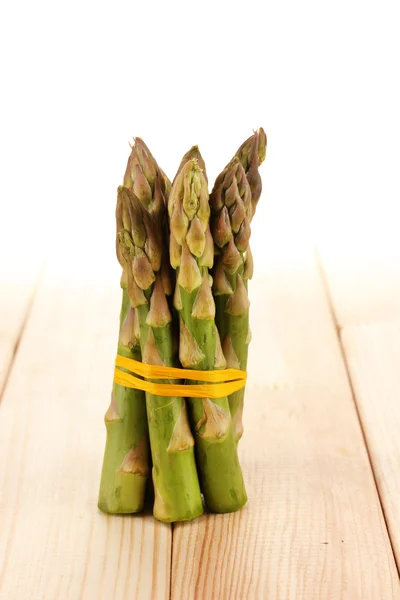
54, 543
17, 285
373, 355
313, 527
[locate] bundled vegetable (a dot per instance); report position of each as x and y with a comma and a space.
175, 315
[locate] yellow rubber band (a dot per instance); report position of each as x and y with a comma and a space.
157, 372
223, 382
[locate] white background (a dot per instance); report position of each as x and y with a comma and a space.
80, 79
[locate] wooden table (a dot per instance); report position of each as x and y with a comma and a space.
321, 450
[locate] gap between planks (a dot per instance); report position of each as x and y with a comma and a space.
368, 307
17, 299
340, 331
364, 279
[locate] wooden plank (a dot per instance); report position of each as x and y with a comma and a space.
54, 543
367, 306
313, 527
373, 354
17, 285
363, 279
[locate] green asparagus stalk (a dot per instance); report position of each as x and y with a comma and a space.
233, 201
231, 208
126, 457
191, 254
152, 187
176, 485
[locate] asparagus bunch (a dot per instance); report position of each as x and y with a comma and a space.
176, 485
191, 254
233, 203
168, 239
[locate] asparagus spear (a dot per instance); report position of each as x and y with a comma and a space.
233, 202
144, 176
176, 485
231, 208
191, 254
126, 456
